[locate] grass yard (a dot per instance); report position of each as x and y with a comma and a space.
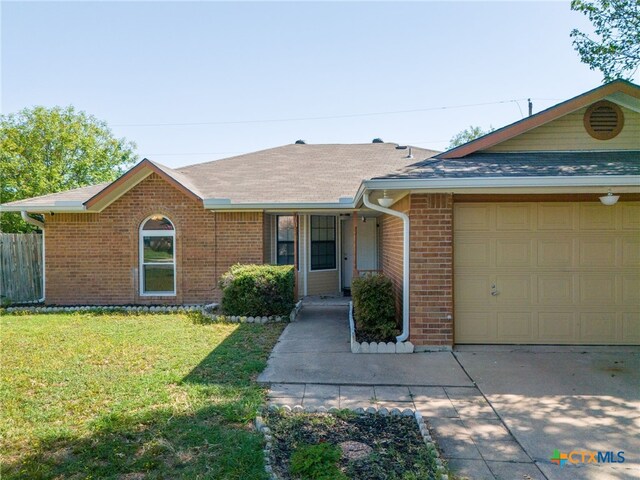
130, 397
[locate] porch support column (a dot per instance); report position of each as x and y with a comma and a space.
295, 257
354, 222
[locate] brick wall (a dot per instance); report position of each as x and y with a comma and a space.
431, 296
93, 258
391, 248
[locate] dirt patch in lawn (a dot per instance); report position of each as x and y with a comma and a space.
372, 446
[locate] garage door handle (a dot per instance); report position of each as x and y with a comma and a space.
494, 291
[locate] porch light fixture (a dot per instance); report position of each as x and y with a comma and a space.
385, 201
609, 199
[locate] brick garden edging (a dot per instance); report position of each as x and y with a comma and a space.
208, 312
394, 412
108, 308
375, 347
205, 310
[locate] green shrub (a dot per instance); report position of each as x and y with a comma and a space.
374, 307
316, 462
257, 290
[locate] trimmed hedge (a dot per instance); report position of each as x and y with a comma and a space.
264, 290
374, 307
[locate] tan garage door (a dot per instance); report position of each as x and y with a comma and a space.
555, 273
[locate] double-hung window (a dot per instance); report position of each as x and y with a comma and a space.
157, 257
323, 242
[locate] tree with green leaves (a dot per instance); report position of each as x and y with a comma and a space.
615, 50
47, 150
467, 135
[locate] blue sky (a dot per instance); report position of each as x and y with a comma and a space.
206, 62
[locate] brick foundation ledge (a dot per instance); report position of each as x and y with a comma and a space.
375, 347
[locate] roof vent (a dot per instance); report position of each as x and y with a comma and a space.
603, 120
377, 140
300, 142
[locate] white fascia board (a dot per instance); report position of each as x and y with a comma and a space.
71, 207
216, 204
502, 182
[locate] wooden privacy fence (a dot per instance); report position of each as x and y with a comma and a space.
20, 267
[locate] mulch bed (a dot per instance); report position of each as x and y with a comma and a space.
374, 446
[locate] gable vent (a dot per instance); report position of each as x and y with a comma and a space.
603, 120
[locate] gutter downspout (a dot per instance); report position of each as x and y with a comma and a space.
405, 262
29, 219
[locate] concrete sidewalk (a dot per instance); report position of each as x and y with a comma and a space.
315, 349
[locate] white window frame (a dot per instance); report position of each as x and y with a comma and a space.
336, 241
156, 233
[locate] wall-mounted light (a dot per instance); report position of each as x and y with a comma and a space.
385, 201
609, 199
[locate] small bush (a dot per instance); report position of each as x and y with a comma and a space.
258, 290
374, 307
317, 462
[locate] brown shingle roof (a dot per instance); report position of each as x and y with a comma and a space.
286, 174
299, 173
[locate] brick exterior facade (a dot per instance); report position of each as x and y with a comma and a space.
431, 260
93, 258
391, 250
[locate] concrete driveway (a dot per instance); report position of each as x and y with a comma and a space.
497, 412
565, 398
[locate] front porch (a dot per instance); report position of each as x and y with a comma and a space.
329, 249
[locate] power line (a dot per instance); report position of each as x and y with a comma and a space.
327, 117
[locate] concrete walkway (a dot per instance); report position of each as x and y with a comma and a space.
315, 349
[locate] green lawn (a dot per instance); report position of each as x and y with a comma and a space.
130, 397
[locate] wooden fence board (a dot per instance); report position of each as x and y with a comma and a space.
21, 267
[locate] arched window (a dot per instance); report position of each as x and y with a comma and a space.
157, 256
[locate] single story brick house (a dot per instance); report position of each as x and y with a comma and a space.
501, 240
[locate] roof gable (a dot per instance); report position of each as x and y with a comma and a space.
621, 92
135, 175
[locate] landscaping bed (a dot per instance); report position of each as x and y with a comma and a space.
341, 445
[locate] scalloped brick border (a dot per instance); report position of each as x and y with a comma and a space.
254, 319
375, 347
394, 412
203, 309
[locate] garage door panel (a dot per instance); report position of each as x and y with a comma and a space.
513, 289
597, 252
474, 289
593, 216
513, 217
473, 253
566, 272
474, 218
631, 327
555, 253
599, 290
630, 252
630, 289
475, 327
598, 327
630, 216
514, 327
513, 253
556, 289
556, 216
554, 327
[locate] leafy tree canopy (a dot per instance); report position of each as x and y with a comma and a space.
48, 150
467, 135
615, 50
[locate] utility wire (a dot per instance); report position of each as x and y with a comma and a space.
327, 117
